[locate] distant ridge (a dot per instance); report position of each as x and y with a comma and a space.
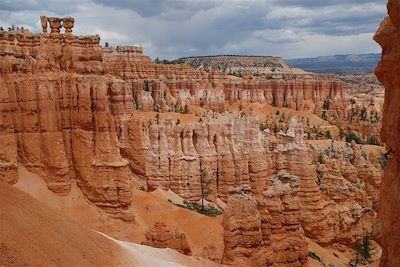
240, 64
225, 55
352, 63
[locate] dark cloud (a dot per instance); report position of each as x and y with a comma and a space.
151, 8
315, 4
173, 28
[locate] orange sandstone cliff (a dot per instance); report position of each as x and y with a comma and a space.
57, 116
74, 112
388, 36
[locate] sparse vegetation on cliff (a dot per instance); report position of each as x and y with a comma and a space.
205, 185
208, 210
314, 256
146, 86
362, 252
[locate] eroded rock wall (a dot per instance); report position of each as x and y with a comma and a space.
388, 36
171, 87
57, 116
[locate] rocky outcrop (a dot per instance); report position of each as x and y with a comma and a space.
336, 200
124, 53
67, 120
57, 116
161, 236
265, 231
337, 197
231, 149
162, 87
243, 235
388, 36
74, 113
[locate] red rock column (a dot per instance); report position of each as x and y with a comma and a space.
388, 70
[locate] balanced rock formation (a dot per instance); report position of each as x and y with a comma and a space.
388, 36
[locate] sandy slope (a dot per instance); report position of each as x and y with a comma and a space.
148, 208
154, 257
32, 234
333, 257
200, 230
323, 144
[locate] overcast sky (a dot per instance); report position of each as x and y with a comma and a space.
176, 28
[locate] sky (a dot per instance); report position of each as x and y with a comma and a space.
170, 29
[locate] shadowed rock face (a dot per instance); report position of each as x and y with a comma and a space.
388, 70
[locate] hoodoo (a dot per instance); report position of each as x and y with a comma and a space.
249, 168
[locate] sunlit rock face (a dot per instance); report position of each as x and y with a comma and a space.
76, 113
57, 113
388, 36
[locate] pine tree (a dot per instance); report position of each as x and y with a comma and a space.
204, 184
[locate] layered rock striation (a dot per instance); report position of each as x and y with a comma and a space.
57, 115
388, 36
75, 113
169, 87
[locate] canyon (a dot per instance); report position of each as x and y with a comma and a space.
130, 148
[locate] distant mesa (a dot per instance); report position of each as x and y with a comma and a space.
240, 65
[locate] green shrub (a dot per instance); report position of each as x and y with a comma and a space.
362, 252
352, 136
185, 109
384, 159
146, 85
328, 135
314, 256
326, 104
373, 140
209, 210
363, 114
158, 118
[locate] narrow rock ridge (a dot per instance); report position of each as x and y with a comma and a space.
388, 36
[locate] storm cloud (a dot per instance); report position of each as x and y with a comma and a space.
175, 28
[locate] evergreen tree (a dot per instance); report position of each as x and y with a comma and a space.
204, 184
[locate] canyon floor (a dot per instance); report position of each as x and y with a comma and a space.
34, 215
